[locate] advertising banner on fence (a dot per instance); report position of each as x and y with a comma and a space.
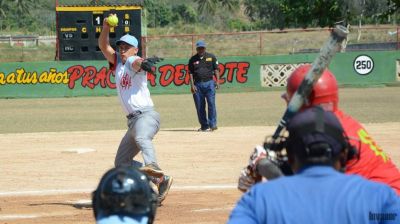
251, 73
92, 78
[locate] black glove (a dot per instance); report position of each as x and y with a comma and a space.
148, 64
276, 149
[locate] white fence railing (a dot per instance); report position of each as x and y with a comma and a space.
27, 41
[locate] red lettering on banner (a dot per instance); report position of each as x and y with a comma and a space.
180, 75
176, 75
103, 76
90, 73
231, 66
241, 74
76, 72
90, 77
221, 69
152, 79
167, 74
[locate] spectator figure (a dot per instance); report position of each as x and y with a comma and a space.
203, 66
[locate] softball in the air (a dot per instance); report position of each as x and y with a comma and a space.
112, 20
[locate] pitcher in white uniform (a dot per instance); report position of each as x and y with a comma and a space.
143, 121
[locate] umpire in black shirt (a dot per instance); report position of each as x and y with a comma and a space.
203, 66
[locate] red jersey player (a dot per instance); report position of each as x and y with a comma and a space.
372, 163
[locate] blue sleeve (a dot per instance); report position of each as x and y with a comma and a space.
129, 63
244, 212
391, 208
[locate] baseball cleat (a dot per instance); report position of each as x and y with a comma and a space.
152, 170
163, 188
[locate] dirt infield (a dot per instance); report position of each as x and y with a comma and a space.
44, 181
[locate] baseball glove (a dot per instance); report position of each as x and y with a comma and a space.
148, 64
263, 164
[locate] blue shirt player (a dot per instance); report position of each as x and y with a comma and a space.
317, 192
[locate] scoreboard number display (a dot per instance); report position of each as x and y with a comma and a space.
79, 27
98, 19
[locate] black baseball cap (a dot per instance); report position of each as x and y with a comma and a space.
316, 126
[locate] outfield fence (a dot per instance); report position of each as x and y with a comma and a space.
274, 42
271, 42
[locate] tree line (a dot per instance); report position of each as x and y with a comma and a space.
36, 16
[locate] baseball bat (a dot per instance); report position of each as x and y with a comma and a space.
328, 50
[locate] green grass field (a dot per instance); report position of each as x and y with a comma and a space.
368, 105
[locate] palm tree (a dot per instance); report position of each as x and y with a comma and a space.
207, 6
211, 6
3, 10
24, 6
230, 5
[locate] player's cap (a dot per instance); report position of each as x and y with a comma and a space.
129, 39
316, 126
118, 219
200, 43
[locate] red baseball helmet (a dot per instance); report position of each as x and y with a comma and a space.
325, 90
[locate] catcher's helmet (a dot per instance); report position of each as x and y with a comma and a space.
315, 126
325, 90
315, 133
124, 191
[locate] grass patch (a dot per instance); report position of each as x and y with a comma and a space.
26, 54
177, 111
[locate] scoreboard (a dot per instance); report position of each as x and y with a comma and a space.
79, 27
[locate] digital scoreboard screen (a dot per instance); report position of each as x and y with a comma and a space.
79, 27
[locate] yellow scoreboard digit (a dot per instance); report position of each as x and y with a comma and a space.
79, 27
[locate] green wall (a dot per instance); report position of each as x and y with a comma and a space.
92, 78
384, 71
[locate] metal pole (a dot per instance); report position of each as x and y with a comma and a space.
57, 53
192, 44
398, 38
261, 45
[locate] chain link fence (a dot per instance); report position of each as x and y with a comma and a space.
270, 42
42, 48
21, 48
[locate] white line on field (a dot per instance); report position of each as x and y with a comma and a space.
78, 191
204, 187
212, 209
41, 215
11, 217
31, 216
44, 192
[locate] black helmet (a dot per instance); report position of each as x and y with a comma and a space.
315, 132
124, 191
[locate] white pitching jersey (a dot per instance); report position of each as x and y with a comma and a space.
133, 92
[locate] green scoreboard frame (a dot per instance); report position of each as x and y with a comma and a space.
79, 27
